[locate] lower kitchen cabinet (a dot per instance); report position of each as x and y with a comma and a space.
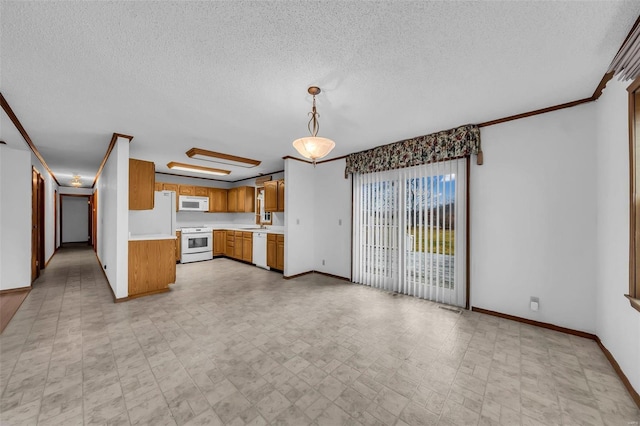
280, 252
228, 251
237, 245
152, 266
247, 246
219, 243
275, 251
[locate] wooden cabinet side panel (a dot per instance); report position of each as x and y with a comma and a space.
178, 246
152, 265
142, 182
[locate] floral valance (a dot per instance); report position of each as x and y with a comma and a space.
445, 145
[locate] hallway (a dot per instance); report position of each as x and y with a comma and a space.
234, 344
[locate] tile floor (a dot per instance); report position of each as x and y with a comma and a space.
233, 344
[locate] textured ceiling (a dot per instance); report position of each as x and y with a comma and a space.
232, 76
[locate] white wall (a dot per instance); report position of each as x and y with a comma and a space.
15, 218
113, 218
49, 187
533, 218
75, 219
332, 219
299, 221
618, 325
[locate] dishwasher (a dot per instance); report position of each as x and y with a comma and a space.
260, 249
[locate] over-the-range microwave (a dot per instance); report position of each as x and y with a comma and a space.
193, 204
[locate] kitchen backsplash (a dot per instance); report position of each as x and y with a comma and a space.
184, 219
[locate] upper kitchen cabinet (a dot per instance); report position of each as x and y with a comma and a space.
274, 196
200, 191
141, 184
186, 190
217, 200
241, 199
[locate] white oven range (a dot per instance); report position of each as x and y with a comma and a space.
197, 244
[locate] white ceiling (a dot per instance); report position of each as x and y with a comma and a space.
233, 76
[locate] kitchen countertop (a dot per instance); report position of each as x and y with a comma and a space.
144, 237
232, 227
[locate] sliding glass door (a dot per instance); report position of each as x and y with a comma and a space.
410, 231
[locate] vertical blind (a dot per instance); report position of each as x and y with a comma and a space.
409, 232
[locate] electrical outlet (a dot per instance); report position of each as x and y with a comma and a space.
297, 221
534, 303
322, 262
339, 222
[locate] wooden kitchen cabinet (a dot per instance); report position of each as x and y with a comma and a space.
247, 246
274, 196
241, 199
237, 245
178, 246
217, 200
159, 186
228, 251
200, 191
281, 195
280, 252
219, 243
186, 190
272, 249
170, 187
142, 180
152, 266
232, 200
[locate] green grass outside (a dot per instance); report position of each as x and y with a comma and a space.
449, 236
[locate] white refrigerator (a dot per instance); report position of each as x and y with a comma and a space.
160, 220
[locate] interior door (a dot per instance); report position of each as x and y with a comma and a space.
40, 208
35, 270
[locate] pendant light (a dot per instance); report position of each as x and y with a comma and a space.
313, 147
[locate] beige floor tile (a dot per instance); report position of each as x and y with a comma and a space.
234, 344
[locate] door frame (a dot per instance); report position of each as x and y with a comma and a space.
88, 197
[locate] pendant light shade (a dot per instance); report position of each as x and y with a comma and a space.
313, 147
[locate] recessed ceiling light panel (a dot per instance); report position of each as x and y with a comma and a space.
197, 169
218, 157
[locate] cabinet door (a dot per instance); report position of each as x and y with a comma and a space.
186, 190
237, 245
217, 200
201, 191
232, 200
281, 195
271, 196
241, 199
219, 242
247, 246
230, 243
178, 246
271, 251
170, 187
249, 199
280, 253
142, 180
